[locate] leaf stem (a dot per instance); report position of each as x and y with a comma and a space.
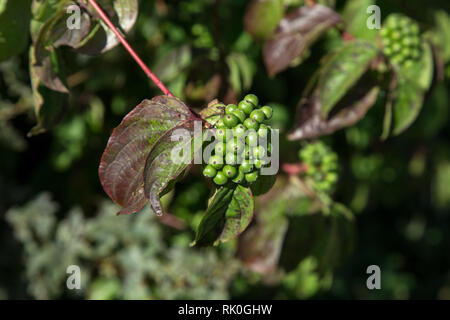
130, 50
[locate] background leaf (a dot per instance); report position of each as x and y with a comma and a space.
262, 17
295, 33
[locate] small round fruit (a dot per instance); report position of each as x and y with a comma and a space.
229, 109
229, 171
258, 152
268, 111
220, 178
231, 158
216, 161
239, 178
258, 115
235, 146
239, 131
246, 107
252, 176
220, 148
240, 114
252, 138
221, 134
246, 153
251, 124
209, 171
252, 99
230, 120
246, 166
258, 163
220, 124
263, 131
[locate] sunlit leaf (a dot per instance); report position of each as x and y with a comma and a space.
168, 158
295, 33
122, 165
228, 215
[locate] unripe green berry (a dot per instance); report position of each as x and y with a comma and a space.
220, 124
216, 161
246, 166
240, 114
251, 177
258, 163
239, 178
230, 120
263, 131
235, 145
246, 153
258, 152
257, 115
252, 138
220, 178
239, 131
229, 109
246, 107
251, 124
221, 134
231, 158
229, 171
268, 112
252, 99
220, 148
209, 171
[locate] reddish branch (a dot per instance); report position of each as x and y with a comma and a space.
127, 46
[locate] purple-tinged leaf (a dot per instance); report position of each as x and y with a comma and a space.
310, 123
168, 159
262, 17
122, 165
213, 112
295, 33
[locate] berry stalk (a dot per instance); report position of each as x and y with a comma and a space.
130, 50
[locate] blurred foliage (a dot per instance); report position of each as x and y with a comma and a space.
53, 211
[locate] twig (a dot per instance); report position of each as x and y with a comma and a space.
127, 46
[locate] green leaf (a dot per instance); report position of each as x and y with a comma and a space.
421, 72
228, 215
262, 17
295, 33
263, 184
170, 67
122, 165
213, 112
342, 71
14, 24
168, 158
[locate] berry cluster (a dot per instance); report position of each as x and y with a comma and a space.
401, 39
242, 143
322, 164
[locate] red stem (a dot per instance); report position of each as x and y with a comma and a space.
127, 46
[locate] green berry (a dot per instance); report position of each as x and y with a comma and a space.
229, 109
251, 124
231, 158
209, 171
246, 107
220, 178
216, 161
221, 134
252, 138
239, 131
258, 163
246, 166
229, 171
235, 145
246, 153
268, 112
220, 148
252, 99
230, 120
263, 131
240, 114
251, 177
258, 115
220, 124
258, 152
239, 178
